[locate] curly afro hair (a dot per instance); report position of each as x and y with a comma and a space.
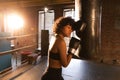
61, 22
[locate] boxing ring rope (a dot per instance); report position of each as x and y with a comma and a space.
14, 50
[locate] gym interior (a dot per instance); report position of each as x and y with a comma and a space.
26, 30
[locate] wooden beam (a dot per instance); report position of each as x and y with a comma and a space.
26, 3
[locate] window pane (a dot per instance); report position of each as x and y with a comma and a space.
46, 20
69, 12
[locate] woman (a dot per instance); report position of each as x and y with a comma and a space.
57, 55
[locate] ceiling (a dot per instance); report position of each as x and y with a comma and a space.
29, 3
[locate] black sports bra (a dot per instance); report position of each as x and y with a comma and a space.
54, 56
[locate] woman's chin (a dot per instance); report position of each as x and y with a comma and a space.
68, 36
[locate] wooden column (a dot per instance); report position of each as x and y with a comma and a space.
58, 12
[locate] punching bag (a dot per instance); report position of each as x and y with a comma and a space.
90, 12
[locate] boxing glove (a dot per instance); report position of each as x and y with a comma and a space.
79, 28
73, 45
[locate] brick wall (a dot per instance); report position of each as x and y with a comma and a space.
110, 31
28, 34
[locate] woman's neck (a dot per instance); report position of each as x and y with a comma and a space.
60, 35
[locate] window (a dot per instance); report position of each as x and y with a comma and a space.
69, 12
46, 20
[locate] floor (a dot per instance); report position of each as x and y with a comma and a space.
29, 71
77, 70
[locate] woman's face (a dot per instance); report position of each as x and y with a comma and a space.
67, 30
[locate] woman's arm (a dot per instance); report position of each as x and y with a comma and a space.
62, 49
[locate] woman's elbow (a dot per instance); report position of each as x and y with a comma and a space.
65, 65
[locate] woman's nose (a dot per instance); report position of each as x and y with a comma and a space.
71, 30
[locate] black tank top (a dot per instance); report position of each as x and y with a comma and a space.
54, 56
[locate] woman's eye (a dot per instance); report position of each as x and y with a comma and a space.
70, 27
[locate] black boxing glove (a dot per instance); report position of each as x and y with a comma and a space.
73, 45
79, 26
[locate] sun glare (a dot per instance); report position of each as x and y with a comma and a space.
15, 21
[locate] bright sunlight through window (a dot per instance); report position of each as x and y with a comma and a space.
14, 21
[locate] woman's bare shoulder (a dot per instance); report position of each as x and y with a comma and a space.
60, 43
60, 40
